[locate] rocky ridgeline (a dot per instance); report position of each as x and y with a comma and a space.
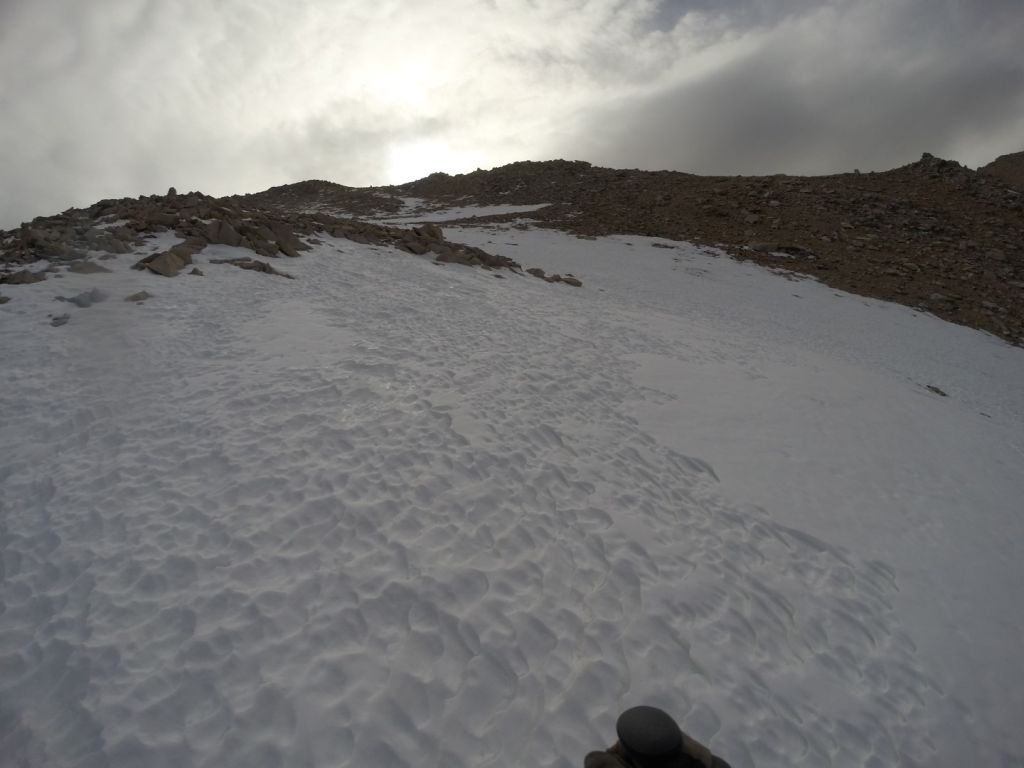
1007, 168
113, 227
315, 195
933, 235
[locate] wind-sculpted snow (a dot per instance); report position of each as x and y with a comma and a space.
392, 513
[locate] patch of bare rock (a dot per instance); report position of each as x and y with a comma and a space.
22, 277
254, 265
1007, 168
933, 235
270, 230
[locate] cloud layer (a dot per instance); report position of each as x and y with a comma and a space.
125, 97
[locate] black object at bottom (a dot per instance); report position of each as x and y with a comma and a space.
649, 736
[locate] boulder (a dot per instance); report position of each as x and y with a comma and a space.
254, 265
139, 297
85, 299
86, 268
416, 247
288, 248
429, 231
112, 245
359, 237
264, 248
286, 239
197, 271
161, 218
168, 263
193, 244
221, 232
458, 257
24, 277
535, 271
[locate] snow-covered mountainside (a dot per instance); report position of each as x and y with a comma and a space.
395, 513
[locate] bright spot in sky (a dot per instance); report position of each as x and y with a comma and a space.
415, 159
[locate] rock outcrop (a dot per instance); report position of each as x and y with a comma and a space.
1007, 168
118, 226
905, 235
933, 235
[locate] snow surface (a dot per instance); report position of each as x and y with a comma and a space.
418, 211
394, 513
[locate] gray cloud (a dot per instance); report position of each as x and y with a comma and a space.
829, 88
124, 97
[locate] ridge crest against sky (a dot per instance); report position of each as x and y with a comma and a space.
121, 97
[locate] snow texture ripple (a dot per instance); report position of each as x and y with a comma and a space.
395, 514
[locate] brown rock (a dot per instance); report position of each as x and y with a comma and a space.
162, 218
264, 248
113, 245
86, 268
535, 271
417, 247
168, 263
221, 232
138, 297
254, 265
429, 231
194, 243
24, 277
457, 257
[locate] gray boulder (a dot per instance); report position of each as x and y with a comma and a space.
168, 263
221, 232
85, 299
24, 277
86, 268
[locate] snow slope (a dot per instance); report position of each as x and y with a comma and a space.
393, 513
419, 211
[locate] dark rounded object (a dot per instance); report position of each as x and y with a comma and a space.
649, 735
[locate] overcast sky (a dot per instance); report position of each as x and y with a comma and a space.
111, 98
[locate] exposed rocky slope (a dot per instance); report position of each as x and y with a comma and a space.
77, 236
933, 234
1007, 168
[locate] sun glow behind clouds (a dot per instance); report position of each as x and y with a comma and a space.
415, 159
120, 97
